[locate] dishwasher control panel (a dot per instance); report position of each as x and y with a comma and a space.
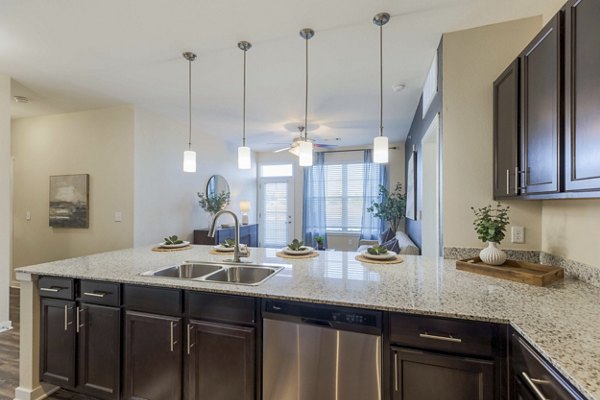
325, 315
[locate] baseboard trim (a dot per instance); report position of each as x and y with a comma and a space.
39, 393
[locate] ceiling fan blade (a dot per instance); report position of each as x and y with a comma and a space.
326, 146
284, 149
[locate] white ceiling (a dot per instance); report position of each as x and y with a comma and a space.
73, 55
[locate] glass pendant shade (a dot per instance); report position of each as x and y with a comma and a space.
189, 161
380, 150
306, 154
244, 158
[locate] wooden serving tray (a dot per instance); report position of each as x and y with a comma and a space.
519, 271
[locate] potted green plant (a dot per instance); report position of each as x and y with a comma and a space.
490, 225
212, 204
392, 206
320, 241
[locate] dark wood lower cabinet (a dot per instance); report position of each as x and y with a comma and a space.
58, 349
220, 361
99, 351
421, 375
153, 356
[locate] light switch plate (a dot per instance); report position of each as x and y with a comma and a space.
118, 216
28, 216
517, 234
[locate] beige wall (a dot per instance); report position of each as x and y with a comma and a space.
337, 241
473, 59
166, 201
95, 142
5, 200
571, 229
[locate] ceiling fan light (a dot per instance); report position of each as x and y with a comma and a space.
244, 157
305, 154
189, 161
380, 150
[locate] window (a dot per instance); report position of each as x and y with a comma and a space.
269, 171
344, 188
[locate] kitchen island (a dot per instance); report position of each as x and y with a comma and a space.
561, 322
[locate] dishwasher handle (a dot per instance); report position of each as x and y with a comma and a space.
318, 322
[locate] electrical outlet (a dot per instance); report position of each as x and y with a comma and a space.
517, 234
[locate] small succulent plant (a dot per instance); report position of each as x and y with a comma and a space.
296, 245
228, 243
377, 250
171, 240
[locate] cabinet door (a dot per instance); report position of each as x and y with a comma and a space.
99, 350
58, 342
541, 105
153, 357
582, 95
220, 361
420, 375
506, 132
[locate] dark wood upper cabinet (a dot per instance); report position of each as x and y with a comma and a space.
220, 361
541, 82
99, 351
506, 133
421, 375
58, 349
582, 95
153, 361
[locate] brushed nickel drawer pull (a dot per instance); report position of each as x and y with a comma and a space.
443, 338
51, 289
95, 294
531, 382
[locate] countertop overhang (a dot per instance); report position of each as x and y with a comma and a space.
561, 321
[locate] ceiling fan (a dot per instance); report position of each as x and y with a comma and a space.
294, 147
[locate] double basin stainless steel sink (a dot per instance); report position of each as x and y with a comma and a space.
248, 274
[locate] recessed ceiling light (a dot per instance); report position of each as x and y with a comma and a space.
21, 99
398, 87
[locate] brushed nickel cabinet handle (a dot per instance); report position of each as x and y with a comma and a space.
95, 294
396, 384
531, 382
51, 289
508, 181
189, 338
449, 338
67, 323
79, 324
173, 341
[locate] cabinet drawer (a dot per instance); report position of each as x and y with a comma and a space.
531, 371
104, 293
221, 307
152, 299
56, 288
455, 336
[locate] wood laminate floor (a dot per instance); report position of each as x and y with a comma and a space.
9, 358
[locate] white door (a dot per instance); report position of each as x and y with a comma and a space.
276, 213
430, 212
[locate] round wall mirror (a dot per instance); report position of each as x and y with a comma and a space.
215, 185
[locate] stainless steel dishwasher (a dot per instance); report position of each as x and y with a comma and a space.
314, 352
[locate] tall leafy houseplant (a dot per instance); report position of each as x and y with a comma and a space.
490, 225
392, 206
212, 204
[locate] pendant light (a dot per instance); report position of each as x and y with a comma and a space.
189, 156
306, 148
380, 143
244, 155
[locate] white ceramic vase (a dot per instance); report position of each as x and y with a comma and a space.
492, 255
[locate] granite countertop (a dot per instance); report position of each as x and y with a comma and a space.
562, 321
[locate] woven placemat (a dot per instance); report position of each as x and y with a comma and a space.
309, 255
395, 260
163, 250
